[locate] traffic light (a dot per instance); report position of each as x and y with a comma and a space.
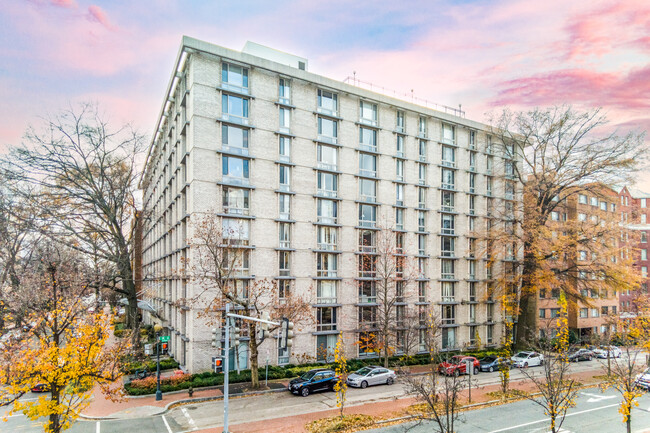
265, 316
165, 348
217, 364
286, 333
216, 337
236, 333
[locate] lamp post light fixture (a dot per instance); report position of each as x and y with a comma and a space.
157, 328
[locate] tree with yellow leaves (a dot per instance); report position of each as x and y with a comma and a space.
341, 370
66, 350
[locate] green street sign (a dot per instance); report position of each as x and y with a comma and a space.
164, 338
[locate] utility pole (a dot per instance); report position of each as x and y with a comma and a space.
227, 368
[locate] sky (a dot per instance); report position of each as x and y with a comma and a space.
485, 55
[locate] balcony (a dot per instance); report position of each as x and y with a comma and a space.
236, 150
367, 299
451, 164
367, 224
234, 180
324, 327
327, 139
236, 210
327, 246
326, 273
367, 198
235, 119
327, 166
447, 276
367, 173
326, 300
450, 186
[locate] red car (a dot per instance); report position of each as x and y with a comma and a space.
457, 365
41, 387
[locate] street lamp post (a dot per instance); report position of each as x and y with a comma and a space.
157, 328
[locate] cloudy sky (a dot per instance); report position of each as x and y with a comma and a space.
482, 54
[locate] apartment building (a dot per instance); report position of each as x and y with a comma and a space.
635, 215
306, 171
593, 215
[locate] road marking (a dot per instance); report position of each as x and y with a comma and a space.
595, 397
167, 424
189, 419
546, 419
98, 428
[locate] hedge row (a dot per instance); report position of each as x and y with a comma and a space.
208, 378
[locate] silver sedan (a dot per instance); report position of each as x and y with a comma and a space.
371, 375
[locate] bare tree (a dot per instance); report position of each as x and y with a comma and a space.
385, 274
564, 152
82, 176
221, 269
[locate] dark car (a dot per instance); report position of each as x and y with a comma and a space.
492, 363
581, 355
41, 387
457, 365
314, 380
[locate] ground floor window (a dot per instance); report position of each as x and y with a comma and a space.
283, 354
448, 338
325, 345
367, 344
242, 356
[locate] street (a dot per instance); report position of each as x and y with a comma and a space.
594, 413
277, 405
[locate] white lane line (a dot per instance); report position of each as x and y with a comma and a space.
167, 424
189, 419
98, 428
546, 419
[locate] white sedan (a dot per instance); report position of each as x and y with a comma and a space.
527, 359
609, 352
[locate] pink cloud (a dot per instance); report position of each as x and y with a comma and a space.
97, 14
64, 3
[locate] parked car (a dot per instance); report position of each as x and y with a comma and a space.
527, 359
41, 387
492, 363
643, 380
371, 375
609, 352
319, 379
456, 365
581, 355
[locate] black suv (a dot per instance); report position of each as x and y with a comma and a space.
314, 380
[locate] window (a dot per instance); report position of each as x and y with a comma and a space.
367, 241
472, 161
234, 108
584, 313
327, 238
327, 102
644, 254
595, 312
327, 211
399, 194
555, 312
325, 346
643, 203
285, 119
448, 156
238, 265
327, 184
582, 199
284, 91
447, 224
603, 205
399, 170
644, 271
285, 235
489, 163
367, 190
472, 139
490, 312
284, 266
285, 177
284, 149
542, 313
235, 232
284, 206
422, 244
422, 215
555, 216
449, 338
367, 317
400, 146
367, 215
448, 314
327, 157
236, 201
509, 169
399, 219
448, 133
368, 164
448, 178
326, 319
327, 130
368, 113
422, 150
510, 191
644, 218
490, 334
367, 292
472, 205
447, 291
582, 217
234, 139
368, 139
447, 269
326, 292
234, 77
422, 126
326, 265
235, 170
447, 201
422, 174
594, 201
583, 255
283, 354
447, 245
422, 197
644, 237
284, 289
401, 125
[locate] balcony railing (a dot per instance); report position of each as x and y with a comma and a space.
236, 210
322, 327
236, 150
330, 273
328, 193
235, 119
234, 180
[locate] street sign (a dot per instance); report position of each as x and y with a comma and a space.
164, 338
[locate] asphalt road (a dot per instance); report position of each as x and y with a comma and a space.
203, 415
595, 412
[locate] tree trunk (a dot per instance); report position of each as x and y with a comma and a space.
385, 347
55, 418
527, 321
255, 380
